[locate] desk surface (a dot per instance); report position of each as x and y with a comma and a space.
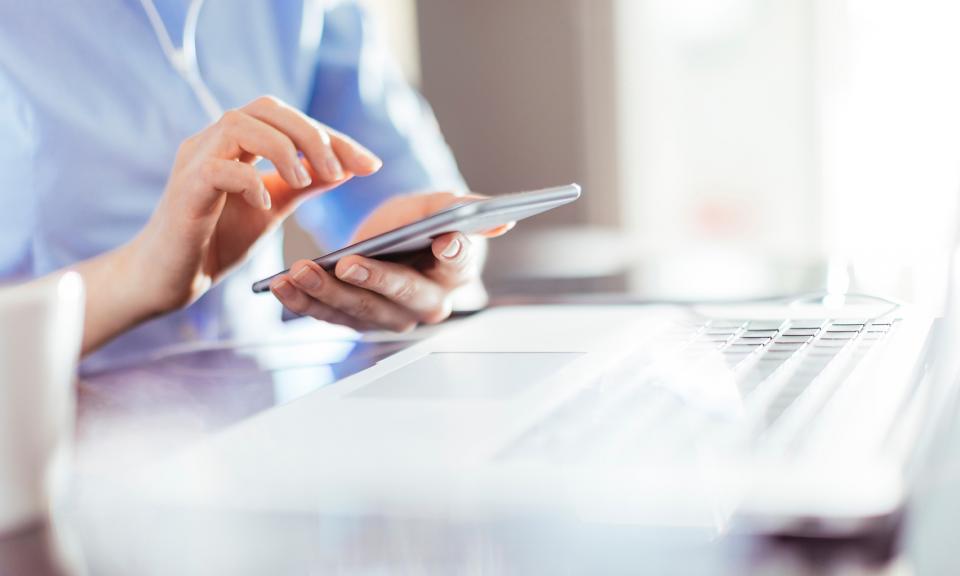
129, 416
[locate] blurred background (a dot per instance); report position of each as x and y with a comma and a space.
727, 148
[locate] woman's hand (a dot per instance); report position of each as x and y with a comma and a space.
215, 207
365, 293
217, 204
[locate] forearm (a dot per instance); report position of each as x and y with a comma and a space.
115, 297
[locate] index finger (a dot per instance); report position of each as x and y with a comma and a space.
356, 157
498, 231
329, 153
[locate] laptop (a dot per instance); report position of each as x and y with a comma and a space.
794, 416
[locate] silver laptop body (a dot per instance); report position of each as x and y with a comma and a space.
785, 417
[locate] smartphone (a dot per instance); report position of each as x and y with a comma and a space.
471, 217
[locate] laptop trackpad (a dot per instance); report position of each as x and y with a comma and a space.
467, 375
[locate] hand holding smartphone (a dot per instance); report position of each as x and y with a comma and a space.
471, 217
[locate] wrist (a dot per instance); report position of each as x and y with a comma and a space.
135, 270
115, 297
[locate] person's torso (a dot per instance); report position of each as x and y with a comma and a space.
108, 112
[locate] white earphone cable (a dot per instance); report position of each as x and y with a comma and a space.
184, 60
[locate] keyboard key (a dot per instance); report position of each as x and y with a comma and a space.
830, 343
720, 331
732, 353
849, 328
698, 351
806, 324
745, 346
753, 340
764, 369
792, 346
834, 335
713, 337
751, 333
850, 321
793, 339
757, 374
801, 332
734, 349
726, 323
828, 352
774, 325
780, 353
714, 340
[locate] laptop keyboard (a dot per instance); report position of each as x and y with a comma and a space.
770, 364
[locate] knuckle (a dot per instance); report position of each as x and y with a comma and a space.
297, 305
354, 324
405, 289
230, 119
208, 172
249, 174
188, 144
362, 307
283, 148
266, 101
318, 139
322, 134
252, 178
184, 154
320, 312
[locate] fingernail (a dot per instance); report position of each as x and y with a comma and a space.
267, 202
303, 176
284, 289
373, 162
333, 166
307, 277
356, 273
452, 250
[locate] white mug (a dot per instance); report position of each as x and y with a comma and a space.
41, 329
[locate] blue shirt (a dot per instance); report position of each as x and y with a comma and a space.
92, 114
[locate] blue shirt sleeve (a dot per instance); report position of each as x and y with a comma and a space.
17, 194
360, 91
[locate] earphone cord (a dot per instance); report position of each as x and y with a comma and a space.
184, 60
